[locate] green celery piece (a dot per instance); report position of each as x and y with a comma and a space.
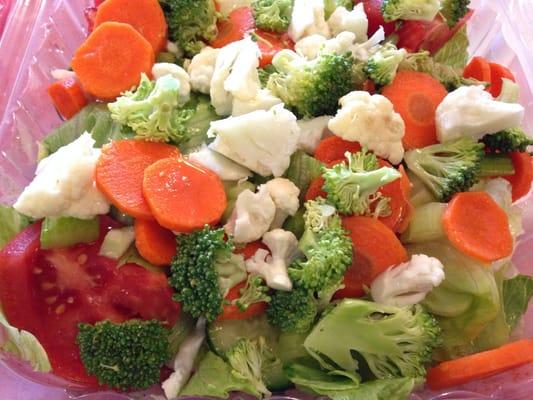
68, 231
11, 223
455, 51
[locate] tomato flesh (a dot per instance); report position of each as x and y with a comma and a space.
231, 311
375, 17
234, 28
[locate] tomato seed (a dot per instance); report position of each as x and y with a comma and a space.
70, 300
82, 259
37, 271
61, 309
47, 285
50, 300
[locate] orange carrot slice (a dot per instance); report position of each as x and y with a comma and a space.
120, 170
155, 244
400, 205
68, 97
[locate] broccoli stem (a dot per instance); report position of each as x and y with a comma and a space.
426, 224
496, 165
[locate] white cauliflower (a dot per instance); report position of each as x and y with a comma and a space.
285, 195
226, 169
283, 247
264, 100
472, 112
312, 46
354, 21
201, 69
262, 141
408, 283
371, 121
252, 216
311, 132
162, 69
308, 17
362, 51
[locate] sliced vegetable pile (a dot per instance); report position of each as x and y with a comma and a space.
269, 194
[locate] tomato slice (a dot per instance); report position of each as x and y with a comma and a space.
270, 44
239, 22
49, 292
231, 311
249, 250
375, 17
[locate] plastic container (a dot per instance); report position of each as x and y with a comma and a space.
40, 35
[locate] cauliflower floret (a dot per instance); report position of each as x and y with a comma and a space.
262, 141
312, 46
408, 283
354, 21
362, 51
264, 100
311, 132
308, 17
472, 112
161, 69
201, 69
371, 121
286, 197
226, 169
252, 216
283, 247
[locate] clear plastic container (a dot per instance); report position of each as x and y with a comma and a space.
40, 35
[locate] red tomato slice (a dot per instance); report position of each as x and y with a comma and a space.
239, 22
375, 17
231, 311
49, 292
270, 44
249, 250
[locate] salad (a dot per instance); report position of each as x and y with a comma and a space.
259, 195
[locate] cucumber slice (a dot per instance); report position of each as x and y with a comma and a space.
290, 346
68, 231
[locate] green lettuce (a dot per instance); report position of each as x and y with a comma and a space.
302, 170
455, 51
516, 295
11, 223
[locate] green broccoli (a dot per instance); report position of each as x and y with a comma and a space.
392, 341
353, 188
409, 9
293, 311
311, 88
124, 356
203, 272
264, 74
272, 15
454, 10
449, 168
508, 140
255, 291
331, 5
382, 65
190, 23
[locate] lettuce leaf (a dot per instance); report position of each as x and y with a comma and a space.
516, 295
455, 51
302, 170
11, 223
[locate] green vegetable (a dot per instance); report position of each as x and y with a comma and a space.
293, 311
183, 327
353, 188
23, 345
455, 52
311, 88
12, 223
264, 74
255, 291
272, 15
454, 10
190, 23
331, 5
516, 295
302, 170
117, 242
68, 231
166, 57
132, 256
508, 140
394, 342
124, 356
510, 92
382, 65
295, 223
426, 225
203, 258
409, 9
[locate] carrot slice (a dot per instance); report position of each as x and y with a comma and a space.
155, 243
497, 73
476, 225
480, 365
400, 205
183, 196
270, 44
333, 148
68, 97
146, 16
234, 28
112, 59
249, 250
416, 96
231, 311
478, 68
523, 176
120, 170
375, 248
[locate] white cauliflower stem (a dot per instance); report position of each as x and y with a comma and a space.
408, 283
263, 100
285, 195
472, 112
283, 247
201, 69
226, 169
371, 121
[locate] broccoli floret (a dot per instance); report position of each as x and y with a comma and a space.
272, 15
255, 291
447, 168
194, 271
190, 23
124, 356
382, 65
353, 188
248, 359
393, 341
311, 88
508, 140
293, 311
409, 9
264, 74
331, 5
454, 10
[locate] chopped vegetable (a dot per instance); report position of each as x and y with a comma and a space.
507, 141
454, 53
154, 243
517, 292
334, 148
246, 299
293, 311
478, 68
68, 97
454, 10
409, 9
331, 5
523, 176
272, 15
12, 223
497, 73
382, 65
57, 232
